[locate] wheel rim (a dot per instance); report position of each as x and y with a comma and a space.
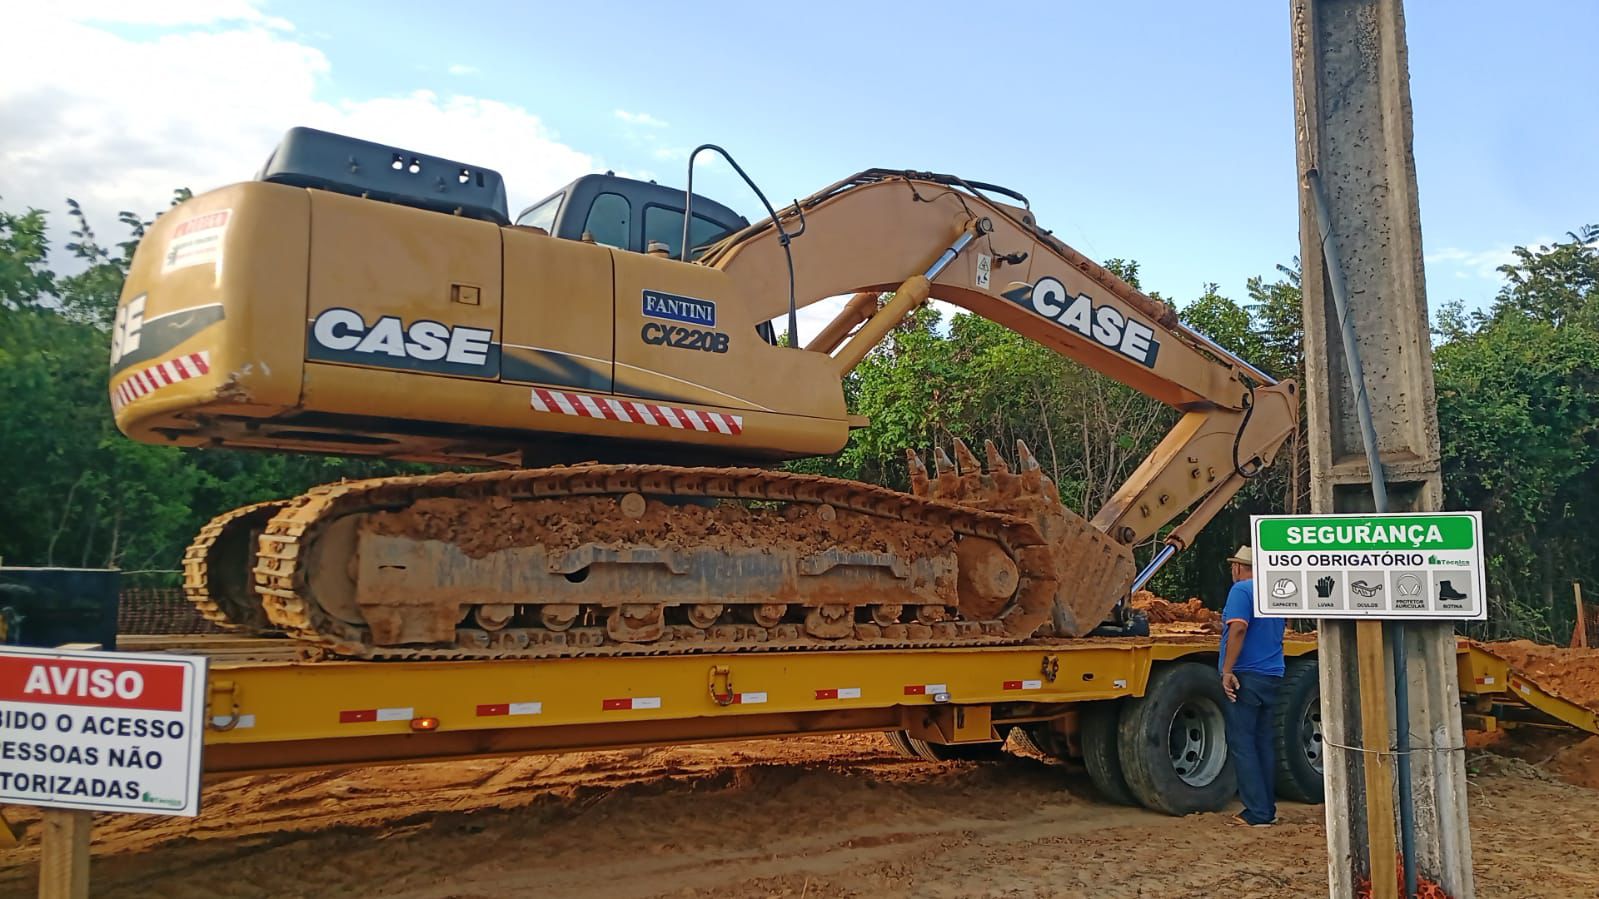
1310, 735
1197, 742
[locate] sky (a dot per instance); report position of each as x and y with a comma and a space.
1155, 131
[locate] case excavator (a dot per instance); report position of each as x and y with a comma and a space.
606, 364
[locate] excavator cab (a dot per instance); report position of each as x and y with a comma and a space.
630, 215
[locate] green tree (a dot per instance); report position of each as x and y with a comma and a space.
1518, 416
77, 492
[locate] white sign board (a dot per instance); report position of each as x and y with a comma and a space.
104, 731
1422, 565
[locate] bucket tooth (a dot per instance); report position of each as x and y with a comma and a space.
996, 462
1025, 458
1006, 485
918, 470
965, 459
947, 486
1032, 473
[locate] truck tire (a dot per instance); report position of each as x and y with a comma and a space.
1098, 723
1299, 741
1172, 742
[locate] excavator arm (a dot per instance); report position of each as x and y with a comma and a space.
921, 235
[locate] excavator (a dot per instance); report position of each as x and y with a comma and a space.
607, 367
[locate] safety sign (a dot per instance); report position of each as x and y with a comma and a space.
104, 731
1425, 565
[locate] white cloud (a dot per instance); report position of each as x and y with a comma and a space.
1471, 263
670, 154
171, 13
200, 105
639, 118
463, 69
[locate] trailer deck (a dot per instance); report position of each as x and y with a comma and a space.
270, 711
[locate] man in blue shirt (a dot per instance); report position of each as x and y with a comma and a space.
1251, 675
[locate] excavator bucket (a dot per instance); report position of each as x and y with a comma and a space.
1094, 571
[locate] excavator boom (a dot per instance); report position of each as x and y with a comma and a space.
884, 230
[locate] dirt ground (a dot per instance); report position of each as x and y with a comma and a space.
1569, 673
806, 817
1178, 617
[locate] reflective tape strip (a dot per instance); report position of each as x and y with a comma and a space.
230, 722
1024, 685
630, 703
495, 709
151, 378
925, 689
634, 412
748, 698
840, 693
363, 716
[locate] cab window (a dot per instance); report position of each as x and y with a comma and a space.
543, 215
666, 225
610, 219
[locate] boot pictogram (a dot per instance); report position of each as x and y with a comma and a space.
1447, 590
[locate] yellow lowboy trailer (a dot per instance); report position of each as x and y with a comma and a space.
1143, 714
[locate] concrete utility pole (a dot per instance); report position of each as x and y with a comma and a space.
1353, 124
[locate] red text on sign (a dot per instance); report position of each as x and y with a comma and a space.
116, 685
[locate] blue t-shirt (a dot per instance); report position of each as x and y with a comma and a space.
1263, 642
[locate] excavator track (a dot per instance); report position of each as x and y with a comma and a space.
464, 566
217, 569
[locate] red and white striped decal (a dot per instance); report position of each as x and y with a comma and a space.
749, 698
925, 689
840, 693
654, 414
1484, 681
1024, 685
148, 380
496, 709
630, 703
363, 716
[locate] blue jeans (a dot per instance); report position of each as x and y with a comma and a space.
1252, 743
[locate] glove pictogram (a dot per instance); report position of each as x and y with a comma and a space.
1324, 586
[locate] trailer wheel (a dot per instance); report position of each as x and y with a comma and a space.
1098, 723
911, 747
1043, 740
1172, 742
900, 743
1300, 752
